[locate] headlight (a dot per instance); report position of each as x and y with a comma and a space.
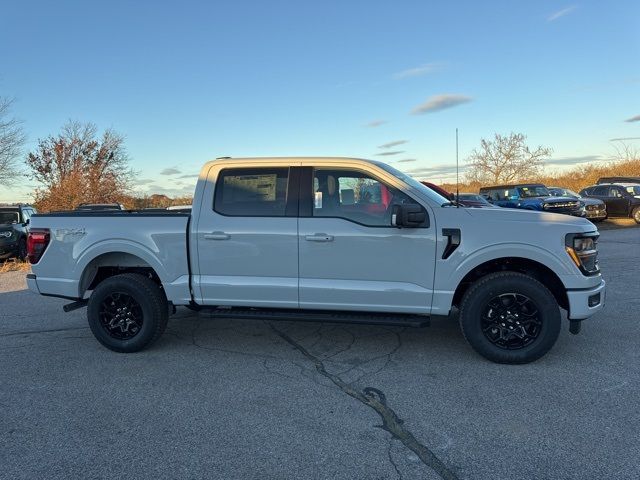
583, 244
582, 248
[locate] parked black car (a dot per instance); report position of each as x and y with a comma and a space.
14, 229
532, 196
602, 180
622, 199
596, 209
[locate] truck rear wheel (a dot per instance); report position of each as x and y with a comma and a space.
509, 317
127, 312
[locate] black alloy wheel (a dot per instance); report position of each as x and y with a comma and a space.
510, 317
121, 316
127, 312
22, 250
511, 321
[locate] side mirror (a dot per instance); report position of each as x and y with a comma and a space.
409, 216
27, 222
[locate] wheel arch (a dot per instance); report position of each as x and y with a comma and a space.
533, 268
108, 264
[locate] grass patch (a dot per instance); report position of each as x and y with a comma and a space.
14, 265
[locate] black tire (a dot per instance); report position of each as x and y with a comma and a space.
514, 338
127, 312
635, 214
22, 250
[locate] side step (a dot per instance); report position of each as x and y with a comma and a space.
366, 318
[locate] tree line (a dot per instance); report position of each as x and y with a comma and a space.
82, 165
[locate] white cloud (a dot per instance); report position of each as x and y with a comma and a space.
418, 71
633, 119
396, 152
393, 144
170, 171
375, 123
574, 160
143, 181
561, 13
441, 102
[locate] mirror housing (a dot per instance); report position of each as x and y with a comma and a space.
408, 216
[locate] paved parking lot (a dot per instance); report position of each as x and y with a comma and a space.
247, 399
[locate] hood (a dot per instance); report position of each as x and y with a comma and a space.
555, 199
514, 216
591, 201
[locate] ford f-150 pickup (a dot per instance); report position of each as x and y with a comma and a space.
322, 239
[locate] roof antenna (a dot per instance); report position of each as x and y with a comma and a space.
457, 169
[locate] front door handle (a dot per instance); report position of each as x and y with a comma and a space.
217, 236
319, 237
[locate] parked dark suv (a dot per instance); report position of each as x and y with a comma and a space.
595, 209
14, 229
622, 199
532, 196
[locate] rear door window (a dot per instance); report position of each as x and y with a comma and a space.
252, 192
615, 192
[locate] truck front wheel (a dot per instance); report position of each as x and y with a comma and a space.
509, 317
127, 312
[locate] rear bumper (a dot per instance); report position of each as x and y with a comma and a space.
32, 283
585, 303
53, 287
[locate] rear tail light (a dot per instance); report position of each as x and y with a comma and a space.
37, 243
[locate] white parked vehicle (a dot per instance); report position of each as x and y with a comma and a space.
323, 239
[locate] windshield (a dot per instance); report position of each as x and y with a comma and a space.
534, 191
634, 190
412, 182
472, 198
563, 192
7, 218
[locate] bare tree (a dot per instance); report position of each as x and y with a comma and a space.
12, 139
505, 159
78, 166
625, 151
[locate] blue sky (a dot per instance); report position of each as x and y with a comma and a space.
189, 81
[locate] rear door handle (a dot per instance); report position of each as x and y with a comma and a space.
217, 236
319, 237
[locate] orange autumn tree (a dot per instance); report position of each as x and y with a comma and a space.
80, 166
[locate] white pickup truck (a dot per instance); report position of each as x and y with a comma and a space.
323, 239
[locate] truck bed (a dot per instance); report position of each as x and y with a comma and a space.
82, 241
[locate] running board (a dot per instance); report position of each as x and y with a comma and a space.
366, 318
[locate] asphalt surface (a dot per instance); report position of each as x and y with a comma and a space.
248, 399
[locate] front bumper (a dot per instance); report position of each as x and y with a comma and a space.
596, 214
585, 303
8, 249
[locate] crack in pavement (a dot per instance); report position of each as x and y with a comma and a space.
376, 400
392, 461
51, 330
